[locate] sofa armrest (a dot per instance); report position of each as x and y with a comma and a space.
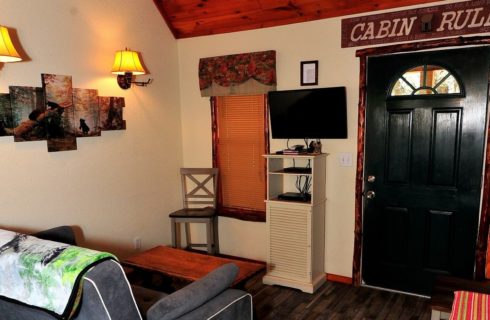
107, 294
194, 295
231, 304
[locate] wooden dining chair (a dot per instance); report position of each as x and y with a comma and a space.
199, 194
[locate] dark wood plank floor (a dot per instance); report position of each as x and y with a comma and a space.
337, 301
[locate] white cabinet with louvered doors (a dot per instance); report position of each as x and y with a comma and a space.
296, 225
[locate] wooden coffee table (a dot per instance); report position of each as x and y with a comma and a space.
186, 266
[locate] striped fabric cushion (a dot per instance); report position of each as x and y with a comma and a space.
470, 306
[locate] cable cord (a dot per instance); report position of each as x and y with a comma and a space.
303, 186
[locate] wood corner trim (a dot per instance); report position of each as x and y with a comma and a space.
337, 278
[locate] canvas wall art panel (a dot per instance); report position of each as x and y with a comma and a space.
6, 120
60, 112
86, 112
28, 113
111, 113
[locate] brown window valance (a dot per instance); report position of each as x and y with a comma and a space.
238, 74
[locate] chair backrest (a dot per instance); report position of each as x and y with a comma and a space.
199, 187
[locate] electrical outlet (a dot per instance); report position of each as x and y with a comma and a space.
345, 159
137, 243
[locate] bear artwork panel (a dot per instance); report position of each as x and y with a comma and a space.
58, 113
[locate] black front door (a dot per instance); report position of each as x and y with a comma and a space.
425, 133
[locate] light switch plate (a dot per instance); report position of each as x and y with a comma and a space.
345, 159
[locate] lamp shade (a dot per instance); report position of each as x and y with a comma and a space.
7, 50
127, 61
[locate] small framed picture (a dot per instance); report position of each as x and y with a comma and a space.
309, 73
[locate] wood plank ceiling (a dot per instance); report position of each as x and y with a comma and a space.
192, 18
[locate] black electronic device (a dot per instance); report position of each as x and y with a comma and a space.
297, 147
303, 170
308, 113
295, 196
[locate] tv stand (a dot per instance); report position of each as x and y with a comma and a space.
295, 222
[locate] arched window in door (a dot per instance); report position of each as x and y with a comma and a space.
426, 80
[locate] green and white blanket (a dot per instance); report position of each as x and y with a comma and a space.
43, 273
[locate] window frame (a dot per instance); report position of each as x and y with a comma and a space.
436, 94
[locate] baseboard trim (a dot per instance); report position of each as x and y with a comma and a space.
337, 278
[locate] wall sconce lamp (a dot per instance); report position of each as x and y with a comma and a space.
8, 53
126, 64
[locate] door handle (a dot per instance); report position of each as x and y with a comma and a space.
370, 194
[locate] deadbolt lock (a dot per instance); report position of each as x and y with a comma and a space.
371, 179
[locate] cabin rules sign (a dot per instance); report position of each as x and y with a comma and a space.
448, 20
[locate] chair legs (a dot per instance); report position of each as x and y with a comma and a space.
175, 227
174, 236
209, 236
212, 241
215, 235
187, 228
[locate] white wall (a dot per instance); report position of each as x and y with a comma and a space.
317, 40
117, 186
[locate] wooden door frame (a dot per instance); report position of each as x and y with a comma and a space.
363, 54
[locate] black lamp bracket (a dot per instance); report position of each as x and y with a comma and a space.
143, 83
125, 80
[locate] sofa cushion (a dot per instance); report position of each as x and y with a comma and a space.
63, 234
145, 297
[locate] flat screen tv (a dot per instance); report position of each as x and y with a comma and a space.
308, 113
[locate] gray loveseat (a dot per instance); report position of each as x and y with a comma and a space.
106, 294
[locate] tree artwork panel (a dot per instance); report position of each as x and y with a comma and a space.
111, 113
28, 113
60, 112
86, 112
6, 119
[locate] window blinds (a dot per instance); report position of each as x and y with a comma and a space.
240, 145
